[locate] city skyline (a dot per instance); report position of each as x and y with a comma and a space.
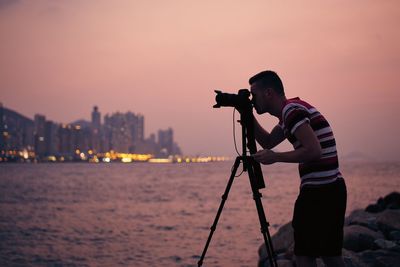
166, 60
116, 133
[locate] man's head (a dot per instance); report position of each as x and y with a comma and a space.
266, 88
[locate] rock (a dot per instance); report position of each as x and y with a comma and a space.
361, 217
394, 235
371, 237
378, 207
320, 263
281, 241
280, 263
285, 263
351, 259
289, 254
385, 221
384, 258
358, 238
388, 221
391, 201
385, 244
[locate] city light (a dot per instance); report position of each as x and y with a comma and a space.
25, 154
160, 160
94, 160
118, 139
51, 158
83, 156
126, 160
108, 157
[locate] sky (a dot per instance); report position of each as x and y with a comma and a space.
164, 59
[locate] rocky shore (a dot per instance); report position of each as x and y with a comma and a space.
371, 237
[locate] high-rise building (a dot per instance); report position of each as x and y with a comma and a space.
96, 130
66, 143
148, 146
80, 138
2, 133
16, 131
152, 138
124, 131
176, 150
121, 132
118, 132
51, 138
166, 141
28, 138
131, 124
39, 133
136, 125
140, 128
96, 118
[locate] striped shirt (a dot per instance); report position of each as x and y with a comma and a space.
326, 169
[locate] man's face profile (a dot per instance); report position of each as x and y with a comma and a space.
258, 98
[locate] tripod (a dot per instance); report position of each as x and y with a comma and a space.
254, 171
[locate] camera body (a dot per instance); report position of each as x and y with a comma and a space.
240, 101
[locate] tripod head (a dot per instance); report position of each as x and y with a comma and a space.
244, 105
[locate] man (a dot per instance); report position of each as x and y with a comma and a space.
320, 207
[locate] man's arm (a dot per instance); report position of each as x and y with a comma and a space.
265, 139
310, 149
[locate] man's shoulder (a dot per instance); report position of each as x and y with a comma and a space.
295, 104
299, 102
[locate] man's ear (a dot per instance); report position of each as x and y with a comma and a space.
268, 91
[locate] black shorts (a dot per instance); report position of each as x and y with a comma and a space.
318, 220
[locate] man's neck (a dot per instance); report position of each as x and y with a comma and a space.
276, 110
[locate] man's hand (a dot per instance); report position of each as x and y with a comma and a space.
265, 156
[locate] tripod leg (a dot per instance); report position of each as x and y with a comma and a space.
221, 206
264, 229
261, 215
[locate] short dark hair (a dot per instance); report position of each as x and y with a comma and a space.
269, 79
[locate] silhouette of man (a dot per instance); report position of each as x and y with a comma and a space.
319, 210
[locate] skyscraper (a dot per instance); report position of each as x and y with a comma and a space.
51, 138
96, 130
140, 128
118, 132
96, 118
66, 143
166, 141
39, 133
2, 141
124, 131
16, 131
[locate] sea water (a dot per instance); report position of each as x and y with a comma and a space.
143, 214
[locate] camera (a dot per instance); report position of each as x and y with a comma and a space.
240, 101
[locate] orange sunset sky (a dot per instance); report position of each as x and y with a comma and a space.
163, 59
